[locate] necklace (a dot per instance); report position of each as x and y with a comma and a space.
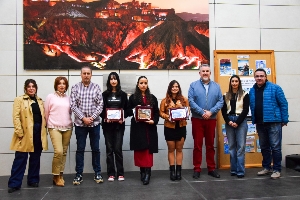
60, 93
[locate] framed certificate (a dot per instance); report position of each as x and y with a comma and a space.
143, 113
177, 114
114, 114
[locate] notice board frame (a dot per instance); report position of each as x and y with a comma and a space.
253, 159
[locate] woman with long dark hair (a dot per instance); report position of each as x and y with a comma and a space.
114, 97
174, 131
234, 111
30, 137
143, 135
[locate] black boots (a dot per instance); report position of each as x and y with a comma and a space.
147, 176
142, 172
178, 172
175, 175
172, 173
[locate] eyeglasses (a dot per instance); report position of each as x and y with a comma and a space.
259, 76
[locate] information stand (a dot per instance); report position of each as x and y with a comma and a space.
243, 63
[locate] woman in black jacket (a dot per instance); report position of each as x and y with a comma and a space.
143, 135
113, 131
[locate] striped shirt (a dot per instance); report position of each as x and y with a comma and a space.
86, 101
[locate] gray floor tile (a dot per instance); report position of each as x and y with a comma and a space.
160, 187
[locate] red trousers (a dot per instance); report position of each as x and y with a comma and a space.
202, 128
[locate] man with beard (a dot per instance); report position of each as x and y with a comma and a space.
205, 98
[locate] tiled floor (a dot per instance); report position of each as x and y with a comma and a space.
161, 188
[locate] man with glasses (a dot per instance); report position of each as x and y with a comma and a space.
269, 109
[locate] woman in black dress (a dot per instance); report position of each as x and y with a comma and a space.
143, 135
175, 131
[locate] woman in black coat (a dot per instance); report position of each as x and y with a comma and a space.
143, 134
113, 131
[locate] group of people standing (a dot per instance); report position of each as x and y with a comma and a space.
32, 119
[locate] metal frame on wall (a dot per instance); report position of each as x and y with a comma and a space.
114, 35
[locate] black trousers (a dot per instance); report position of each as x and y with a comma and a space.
114, 155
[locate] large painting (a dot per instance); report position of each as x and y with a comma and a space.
121, 34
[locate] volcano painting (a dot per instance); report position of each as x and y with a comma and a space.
107, 34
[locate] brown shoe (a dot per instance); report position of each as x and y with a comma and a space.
57, 181
61, 177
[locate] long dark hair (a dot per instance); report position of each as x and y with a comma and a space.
27, 82
229, 94
138, 94
108, 85
178, 96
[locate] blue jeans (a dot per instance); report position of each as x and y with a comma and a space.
81, 134
237, 142
270, 137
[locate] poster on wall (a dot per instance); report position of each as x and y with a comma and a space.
121, 34
225, 67
243, 67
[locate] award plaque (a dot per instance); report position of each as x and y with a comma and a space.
177, 114
143, 113
114, 114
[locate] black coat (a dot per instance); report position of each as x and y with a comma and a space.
124, 106
138, 130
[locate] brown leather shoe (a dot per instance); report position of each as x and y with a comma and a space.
57, 181
61, 177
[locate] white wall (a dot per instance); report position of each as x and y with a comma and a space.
234, 24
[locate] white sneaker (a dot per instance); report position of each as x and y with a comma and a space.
264, 172
121, 178
275, 175
111, 178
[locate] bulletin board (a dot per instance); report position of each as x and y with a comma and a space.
242, 63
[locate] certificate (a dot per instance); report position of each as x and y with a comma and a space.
177, 114
114, 114
143, 113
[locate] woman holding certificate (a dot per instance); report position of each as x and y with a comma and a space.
113, 125
174, 109
234, 111
143, 130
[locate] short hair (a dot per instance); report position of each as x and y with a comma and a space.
86, 66
27, 82
58, 79
260, 70
204, 65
